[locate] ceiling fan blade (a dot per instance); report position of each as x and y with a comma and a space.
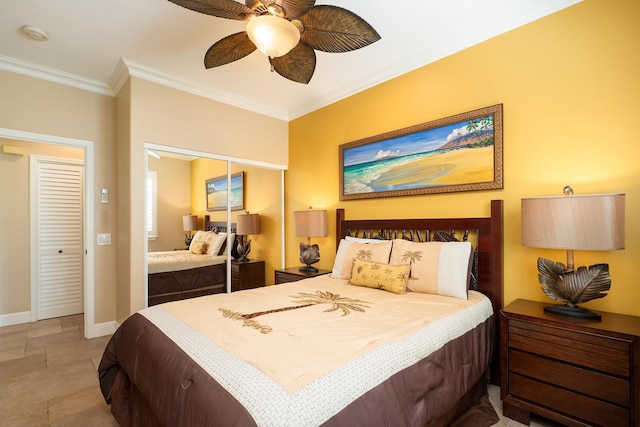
297, 8
292, 8
229, 9
334, 29
229, 49
297, 65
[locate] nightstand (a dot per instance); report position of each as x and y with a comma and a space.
294, 274
574, 371
247, 274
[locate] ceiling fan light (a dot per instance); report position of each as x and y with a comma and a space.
273, 36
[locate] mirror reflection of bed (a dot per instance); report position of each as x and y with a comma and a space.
335, 349
196, 271
180, 192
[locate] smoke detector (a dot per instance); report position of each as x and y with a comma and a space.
35, 33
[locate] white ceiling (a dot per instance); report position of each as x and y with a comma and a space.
163, 42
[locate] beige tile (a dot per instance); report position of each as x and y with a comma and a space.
12, 345
47, 384
97, 416
32, 415
50, 330
22, 366
11, 354
74, 403
75, 321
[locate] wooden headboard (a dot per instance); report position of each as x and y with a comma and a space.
217, 226
484, 233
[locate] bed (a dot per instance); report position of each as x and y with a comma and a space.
328, 350
183, 274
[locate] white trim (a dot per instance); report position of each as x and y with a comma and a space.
15, 318
282, 221
194, 153
156, 76
51, 74
105, 328
90, 330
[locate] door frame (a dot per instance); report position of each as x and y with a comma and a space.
90, 330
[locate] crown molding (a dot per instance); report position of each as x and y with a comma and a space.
150, 74
51, 74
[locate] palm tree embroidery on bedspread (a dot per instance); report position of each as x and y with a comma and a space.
306, 299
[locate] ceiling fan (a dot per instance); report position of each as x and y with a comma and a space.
287, 31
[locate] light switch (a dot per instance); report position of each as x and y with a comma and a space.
104, 198
104, 239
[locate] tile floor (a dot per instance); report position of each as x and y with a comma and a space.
48, 377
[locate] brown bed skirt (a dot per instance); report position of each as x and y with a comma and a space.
183, 284
150, 381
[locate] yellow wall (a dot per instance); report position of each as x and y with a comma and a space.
570, 88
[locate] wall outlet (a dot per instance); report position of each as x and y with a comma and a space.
104, 239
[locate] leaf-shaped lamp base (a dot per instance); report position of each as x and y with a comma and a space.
569, 311
309, 254
573, 287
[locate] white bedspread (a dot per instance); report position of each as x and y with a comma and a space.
160, 262
312, 351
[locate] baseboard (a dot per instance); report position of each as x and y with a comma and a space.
102, 329
15, 318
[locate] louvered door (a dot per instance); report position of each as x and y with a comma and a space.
59, 215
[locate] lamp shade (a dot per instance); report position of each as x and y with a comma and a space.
583, 222
273, 36
189, 222
247, 224
311, 223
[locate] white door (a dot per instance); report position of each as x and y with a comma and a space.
59, 215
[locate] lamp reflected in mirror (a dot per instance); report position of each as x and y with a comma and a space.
246, 224
189, 224
310, 223
593, 222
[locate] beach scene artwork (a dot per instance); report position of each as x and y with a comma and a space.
217, 192
443, 158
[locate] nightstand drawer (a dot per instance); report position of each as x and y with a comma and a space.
597, 352
568, 403
574, 378
578, 372
247, 275
282, 277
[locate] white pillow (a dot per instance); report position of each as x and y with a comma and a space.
349, 250
216, 244
441, 268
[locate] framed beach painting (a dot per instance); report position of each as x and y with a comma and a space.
457, 153
217, 192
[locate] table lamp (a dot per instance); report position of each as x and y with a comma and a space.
246, 224
310, 223
593, 222
189, 223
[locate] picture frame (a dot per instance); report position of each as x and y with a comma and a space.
462, 152
216, 192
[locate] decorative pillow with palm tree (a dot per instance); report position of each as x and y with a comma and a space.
379, 275
440, 268
348, 251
